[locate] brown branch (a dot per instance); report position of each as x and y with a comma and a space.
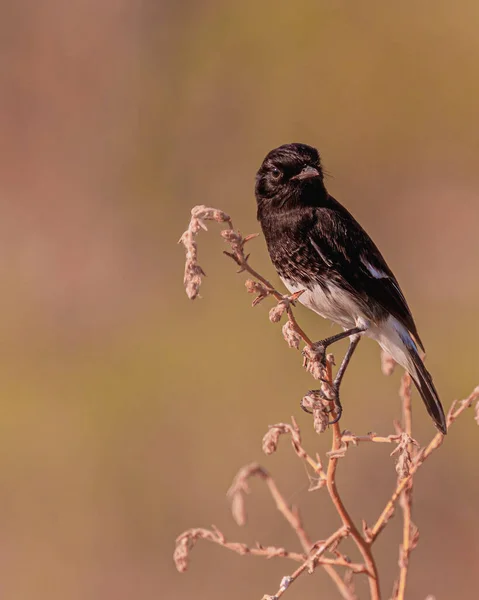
187, 540
194, 273
309, 564
418, 460
270, 445
270, 442
361, 543
406, 496
236, 493
407, 463
342, 562
313, 359
349, 438
239, 488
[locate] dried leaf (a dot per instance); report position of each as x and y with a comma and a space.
180, 555
238, 508
277, 312
213, 214
314, 361
291, 336
270, 439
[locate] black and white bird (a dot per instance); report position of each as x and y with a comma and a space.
316, 245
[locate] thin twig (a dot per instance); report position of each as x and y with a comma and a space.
193, 271
270, 444
236, 493
186, 541
309, 563
419, 459
349, 438
291, 514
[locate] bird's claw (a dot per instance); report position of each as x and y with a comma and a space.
315, 355
339, 412
320, 350
309, 402
334, 397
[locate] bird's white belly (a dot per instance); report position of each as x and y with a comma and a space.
341, 308
336, 304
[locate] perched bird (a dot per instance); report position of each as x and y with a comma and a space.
316, 245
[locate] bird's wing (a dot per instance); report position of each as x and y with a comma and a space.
355, 261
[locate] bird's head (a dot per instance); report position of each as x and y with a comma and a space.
286, 173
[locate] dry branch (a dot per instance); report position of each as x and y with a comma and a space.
409, 456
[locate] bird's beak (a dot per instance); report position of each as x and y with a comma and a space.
307, 173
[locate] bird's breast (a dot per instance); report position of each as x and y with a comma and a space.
329, 301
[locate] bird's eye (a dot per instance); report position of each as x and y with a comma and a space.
276, 173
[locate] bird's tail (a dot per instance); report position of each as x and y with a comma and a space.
425, 386
398, 342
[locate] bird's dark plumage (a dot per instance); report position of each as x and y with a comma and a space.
317, 245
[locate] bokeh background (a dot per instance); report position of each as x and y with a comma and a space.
126, 409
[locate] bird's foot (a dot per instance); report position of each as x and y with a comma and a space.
319, 349
333, 396
314, 400
339, 411
321, 400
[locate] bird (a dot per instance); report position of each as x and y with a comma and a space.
318, 247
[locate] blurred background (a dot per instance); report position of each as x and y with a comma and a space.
127, 409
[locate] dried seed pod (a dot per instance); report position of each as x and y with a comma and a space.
291, 336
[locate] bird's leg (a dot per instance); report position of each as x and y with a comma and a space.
353, 342
354, 337
323, 344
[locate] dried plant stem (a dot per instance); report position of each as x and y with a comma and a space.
363, 546
309, 564
406, 495
239, 257
389, 508
215, 536
291, 514
408, 462
348, 437
270, 442
421, 456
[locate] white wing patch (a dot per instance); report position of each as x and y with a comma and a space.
318, 250
376, 273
